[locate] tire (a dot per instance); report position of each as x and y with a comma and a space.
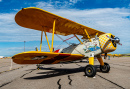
90, 71
38, 66
105, 68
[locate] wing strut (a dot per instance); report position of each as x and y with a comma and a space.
87, 35
53, 35
78, 39
41, 40
47, 41
50, 48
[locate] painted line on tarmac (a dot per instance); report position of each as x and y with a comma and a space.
110, 81
7, 66
12, 69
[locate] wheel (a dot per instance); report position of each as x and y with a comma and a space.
105, 68
38, 66
90, 71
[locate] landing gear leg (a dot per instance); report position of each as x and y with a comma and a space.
90, 70
104, 67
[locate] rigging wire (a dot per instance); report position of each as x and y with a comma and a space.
68, 43
60, 44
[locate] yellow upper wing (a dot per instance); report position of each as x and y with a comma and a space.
39, 19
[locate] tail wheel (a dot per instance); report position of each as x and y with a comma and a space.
38, 66
105, 68
90, 71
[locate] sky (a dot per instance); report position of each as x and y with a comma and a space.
110, 16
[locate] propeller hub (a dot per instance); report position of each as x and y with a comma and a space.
117, 40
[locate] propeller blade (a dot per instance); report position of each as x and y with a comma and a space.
116, 40
109, 37
119, 44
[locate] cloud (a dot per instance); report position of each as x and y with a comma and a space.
74, 1
11, 32
56, 4
106, 20
10, 51
109, 20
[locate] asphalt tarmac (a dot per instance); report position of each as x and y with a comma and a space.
64, 76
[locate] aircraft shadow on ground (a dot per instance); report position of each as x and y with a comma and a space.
54, 72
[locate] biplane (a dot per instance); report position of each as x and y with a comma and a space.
117, 55
112, 55
95, 42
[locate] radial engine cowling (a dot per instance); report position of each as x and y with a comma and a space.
107, 45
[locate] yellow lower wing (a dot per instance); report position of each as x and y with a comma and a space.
38, 57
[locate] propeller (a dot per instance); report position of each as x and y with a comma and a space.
114, 39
